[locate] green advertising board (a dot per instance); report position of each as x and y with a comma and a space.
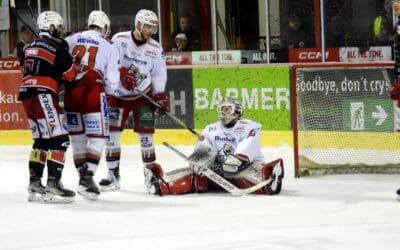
264, 93
368, 115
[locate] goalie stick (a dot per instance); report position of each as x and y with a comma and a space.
182, 123
222, 182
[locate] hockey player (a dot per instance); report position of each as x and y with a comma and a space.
143, 69
47, 64
85, 101
234, 153
395, 88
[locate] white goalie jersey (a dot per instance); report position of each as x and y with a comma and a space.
243, 139
147, 60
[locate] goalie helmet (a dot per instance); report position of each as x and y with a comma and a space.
229, 110
146, 17
48, 18
101, 20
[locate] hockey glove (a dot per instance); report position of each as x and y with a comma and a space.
201, 159
127, 78
395, 90
162, 100
233, 164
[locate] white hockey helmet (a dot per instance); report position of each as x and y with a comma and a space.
229, 110
48, 18
101, 20
146, 17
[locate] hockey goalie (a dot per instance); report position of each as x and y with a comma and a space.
231, 149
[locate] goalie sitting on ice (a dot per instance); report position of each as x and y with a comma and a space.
231, 148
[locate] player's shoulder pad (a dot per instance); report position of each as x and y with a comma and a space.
250, 123
154, 43
121, 35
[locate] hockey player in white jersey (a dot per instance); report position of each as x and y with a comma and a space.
234, 150
143, 70
85, 101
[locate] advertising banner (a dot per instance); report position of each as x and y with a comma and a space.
264, 93
224, 57
178, 58
313, 55
339, 99
180, 95
353, 54
258, 56
12, 115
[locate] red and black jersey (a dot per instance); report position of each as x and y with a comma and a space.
46, 64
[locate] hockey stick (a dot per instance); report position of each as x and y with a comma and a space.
220, 181
179, 121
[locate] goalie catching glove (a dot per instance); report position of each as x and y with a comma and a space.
395, 90
127, 78
162, 100
235, 163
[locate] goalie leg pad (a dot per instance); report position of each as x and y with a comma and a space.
275, 171
153, 174
200, 183
178, 181
182, 185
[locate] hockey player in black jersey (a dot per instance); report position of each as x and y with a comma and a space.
47, 65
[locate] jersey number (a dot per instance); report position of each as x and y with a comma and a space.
80, 50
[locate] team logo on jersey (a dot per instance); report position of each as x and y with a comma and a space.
252, 133
228, 149
113, 113
212, 128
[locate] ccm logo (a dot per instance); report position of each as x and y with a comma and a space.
312, 55
9, 64
174, 58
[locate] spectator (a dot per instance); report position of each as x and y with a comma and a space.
297, 34
180, 43
336, 32
185, 27
26, 38
381, 31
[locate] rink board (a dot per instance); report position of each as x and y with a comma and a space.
173, 136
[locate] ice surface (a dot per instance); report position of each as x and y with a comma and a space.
328, 212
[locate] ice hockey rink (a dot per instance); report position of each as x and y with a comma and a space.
325, 212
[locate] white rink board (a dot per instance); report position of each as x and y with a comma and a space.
323, 212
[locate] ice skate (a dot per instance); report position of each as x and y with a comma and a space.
87, 186
111, 181
36, 190
56, 193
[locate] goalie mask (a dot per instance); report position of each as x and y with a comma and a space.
148, 19
229, 110
100, 19
51, 22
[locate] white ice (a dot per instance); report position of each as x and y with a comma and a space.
328, 212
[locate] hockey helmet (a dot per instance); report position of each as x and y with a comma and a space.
101, 20
48, 18
229, 110
146, 17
